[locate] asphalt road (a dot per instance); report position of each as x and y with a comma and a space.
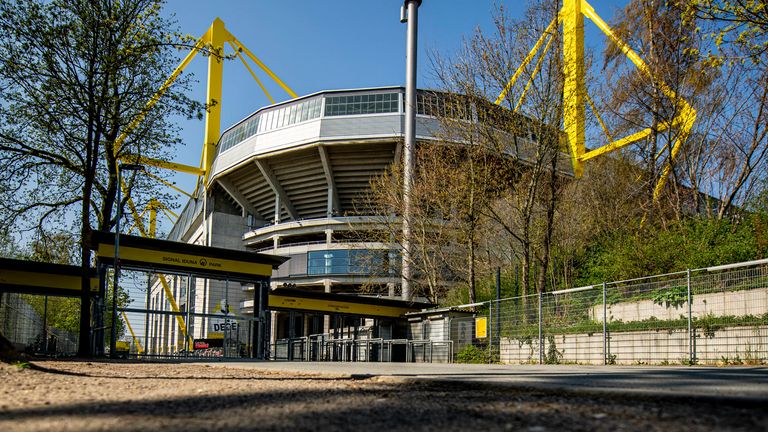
731, 383
128, 396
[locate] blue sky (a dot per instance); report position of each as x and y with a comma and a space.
315, 45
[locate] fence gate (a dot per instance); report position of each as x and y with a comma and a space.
180, 315
172, 299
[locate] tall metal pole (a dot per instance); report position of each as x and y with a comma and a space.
498, 306
146, 315
541, 330
412, 18
605, 326
45, 326
116, 267
691, 355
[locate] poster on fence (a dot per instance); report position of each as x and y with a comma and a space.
481, 328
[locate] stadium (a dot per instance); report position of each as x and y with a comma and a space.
287, 180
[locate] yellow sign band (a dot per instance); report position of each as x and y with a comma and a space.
297, 303
197, 262
46, 280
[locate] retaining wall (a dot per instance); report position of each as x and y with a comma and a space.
731, 303
643, 347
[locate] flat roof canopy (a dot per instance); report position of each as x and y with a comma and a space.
165, 255
32, 277
289, 299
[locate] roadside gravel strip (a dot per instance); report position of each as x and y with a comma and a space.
98, 396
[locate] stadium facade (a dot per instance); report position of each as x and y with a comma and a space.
287, 180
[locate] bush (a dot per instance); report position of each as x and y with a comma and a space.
692, 243
473, 355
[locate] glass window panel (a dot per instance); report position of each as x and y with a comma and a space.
267, 121
273, 122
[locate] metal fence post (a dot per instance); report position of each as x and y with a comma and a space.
541, 337
188, 343
146, 314
691, 355
605, 326
490, 332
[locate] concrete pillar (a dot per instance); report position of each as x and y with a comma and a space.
327, 318
277, 209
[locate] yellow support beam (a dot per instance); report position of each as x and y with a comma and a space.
174, 306
160, 163
535, 71
139, 349
170, 185
253, 74
215, 38
158, 94
574, 112
526, 60
597, 115
264, 67
623, 142
575, 97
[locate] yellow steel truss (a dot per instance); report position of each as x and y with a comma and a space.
212, 42
575, 96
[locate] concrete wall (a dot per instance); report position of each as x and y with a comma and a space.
733, 303
646, 347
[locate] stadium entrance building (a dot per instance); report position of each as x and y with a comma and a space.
287, 181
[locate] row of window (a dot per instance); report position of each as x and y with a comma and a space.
361, 104
290, 114
428, 103
443, 105
345, 261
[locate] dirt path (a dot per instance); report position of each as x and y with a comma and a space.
83, 396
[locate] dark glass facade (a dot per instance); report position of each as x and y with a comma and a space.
346, 261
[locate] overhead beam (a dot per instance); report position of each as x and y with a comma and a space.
269, 176
574, 109
235, 193
333, 194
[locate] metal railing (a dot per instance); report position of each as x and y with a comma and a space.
715, 315
30, 330
322, 347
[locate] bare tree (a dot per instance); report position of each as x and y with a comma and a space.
74, 75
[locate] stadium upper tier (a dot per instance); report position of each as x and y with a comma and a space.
312, 157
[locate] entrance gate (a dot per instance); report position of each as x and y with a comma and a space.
179, 300
39, 305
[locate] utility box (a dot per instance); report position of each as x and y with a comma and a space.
432, 333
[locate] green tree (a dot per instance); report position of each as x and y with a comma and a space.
74, 75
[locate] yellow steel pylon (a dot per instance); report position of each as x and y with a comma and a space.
575, 97
213, 42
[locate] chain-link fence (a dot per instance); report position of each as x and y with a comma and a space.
41, 325
716, 315
183, 316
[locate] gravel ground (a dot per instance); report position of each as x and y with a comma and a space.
91, 396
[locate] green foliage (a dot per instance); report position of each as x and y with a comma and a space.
474, 355
674, 297
707, 325
553, 355
22, 364
63, 313
692, 243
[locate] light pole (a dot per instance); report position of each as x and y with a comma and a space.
116, 265
409, 13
